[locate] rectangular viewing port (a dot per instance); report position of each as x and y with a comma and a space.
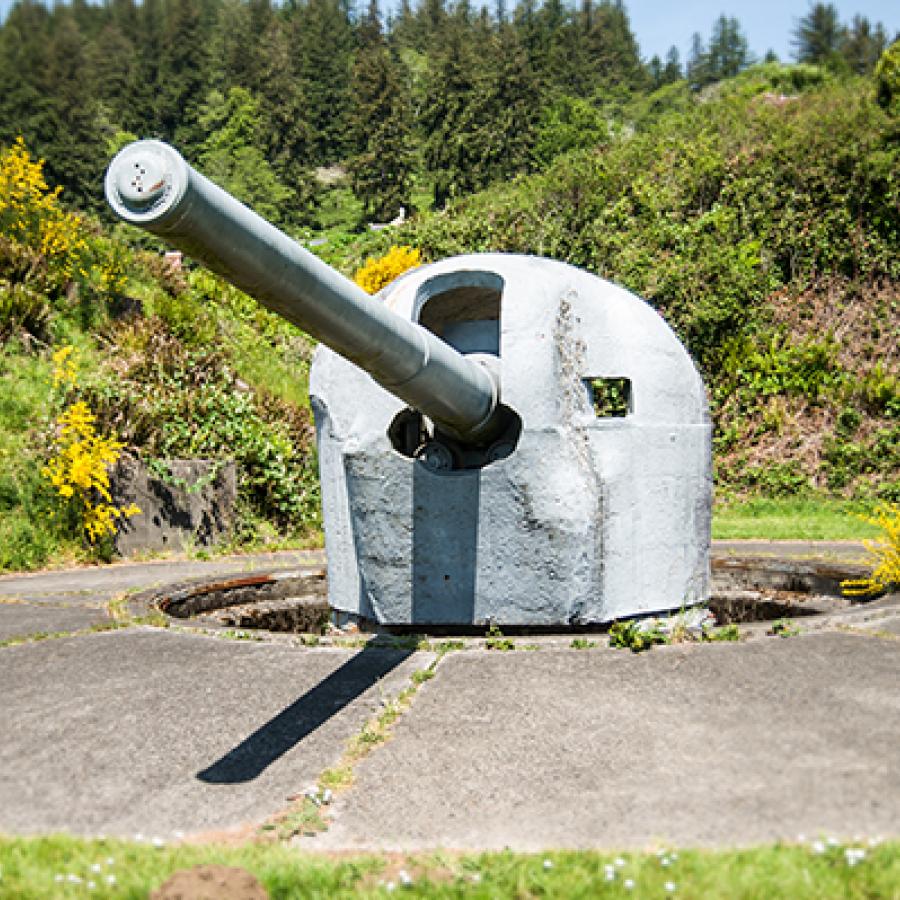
610, 397
463, 309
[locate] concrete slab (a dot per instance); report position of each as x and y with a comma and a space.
153, 731
844, 551
23, 619
891, 626
93, 584
691, 744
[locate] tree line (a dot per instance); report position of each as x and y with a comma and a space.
260, 94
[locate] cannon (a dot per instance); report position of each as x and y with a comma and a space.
502, 439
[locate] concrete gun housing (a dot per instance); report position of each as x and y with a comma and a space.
502, 439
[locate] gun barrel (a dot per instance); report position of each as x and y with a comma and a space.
150, 184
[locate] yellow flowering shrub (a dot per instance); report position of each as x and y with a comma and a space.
79, 469
30, 213
885, 554
382, 270
65, 372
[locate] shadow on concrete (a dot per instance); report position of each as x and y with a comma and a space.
267, 744
444, 545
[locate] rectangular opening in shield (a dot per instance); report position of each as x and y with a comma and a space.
610, 397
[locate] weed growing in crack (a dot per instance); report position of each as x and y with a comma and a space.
494, 640
630, 635
582, 644
729, 632
784, 628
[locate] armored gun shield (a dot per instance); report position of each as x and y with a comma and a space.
596, 507
501, 438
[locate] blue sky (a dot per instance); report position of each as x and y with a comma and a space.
767, 24
658, 24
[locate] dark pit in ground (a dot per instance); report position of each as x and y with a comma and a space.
744, 589
292, 600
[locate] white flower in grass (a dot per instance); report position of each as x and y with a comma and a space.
476, 878
73, 879
58, 878
833, 842
854, 855
610, 873
390, 887
618, 862
158, 842
628, 884
96, 867
405, 877
673, 856
670, 887
548, 863
110, 879
91, 885
817, 847
665, 862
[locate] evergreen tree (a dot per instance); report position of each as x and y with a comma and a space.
69, 141
698, 73
231, 156
862, 45
323, 40
183, 71
672, 72
25, 106
819, 35
655, 71
728, 52
233, 49
285, 134
381, 123
481, 111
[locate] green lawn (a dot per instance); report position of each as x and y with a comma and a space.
69, 867
806, 519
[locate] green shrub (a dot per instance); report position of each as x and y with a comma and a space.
887, 78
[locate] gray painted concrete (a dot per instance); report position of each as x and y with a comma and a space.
688, 745
589, 519
153, 731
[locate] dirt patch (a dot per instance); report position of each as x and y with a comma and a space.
211, 882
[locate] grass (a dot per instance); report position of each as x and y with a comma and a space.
29, 535
819, 519
31, 867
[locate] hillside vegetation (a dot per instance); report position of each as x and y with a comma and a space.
762, 219
758, 214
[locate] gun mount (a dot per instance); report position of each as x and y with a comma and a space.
501, 438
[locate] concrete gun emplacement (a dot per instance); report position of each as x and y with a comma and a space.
473, 467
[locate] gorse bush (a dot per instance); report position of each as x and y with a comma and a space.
79, 468
30, 213
885, 554
50, 259
380, 271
